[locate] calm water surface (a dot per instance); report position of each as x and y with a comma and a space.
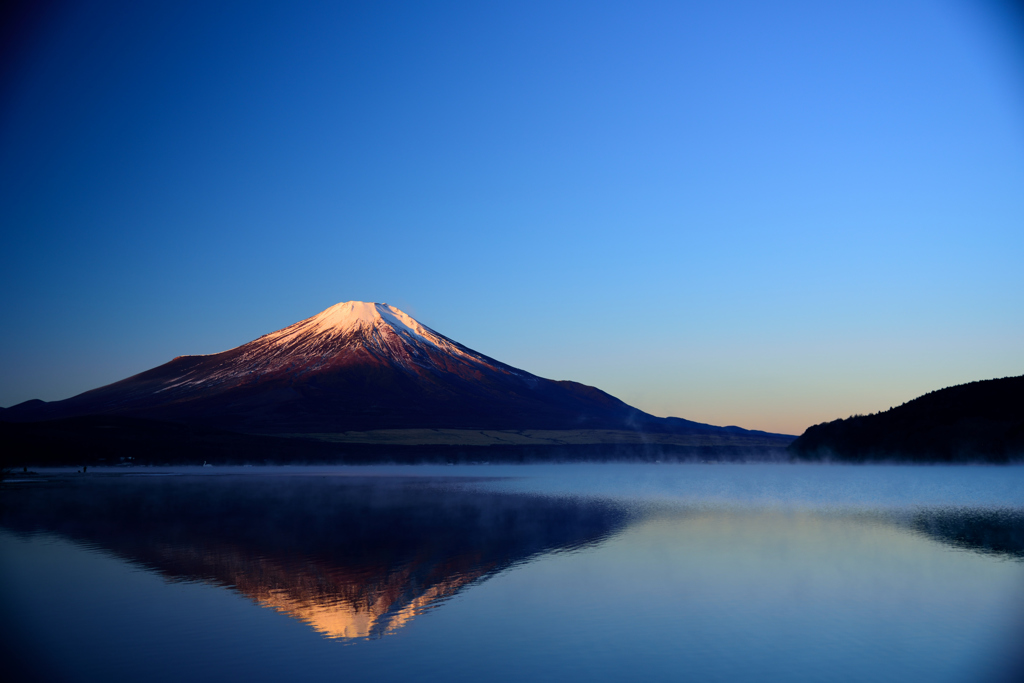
504, 573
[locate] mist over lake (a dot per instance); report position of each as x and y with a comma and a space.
608, 572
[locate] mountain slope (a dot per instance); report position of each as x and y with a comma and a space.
976, 421
355, 366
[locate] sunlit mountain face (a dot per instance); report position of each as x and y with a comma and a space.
351, 557
357, 366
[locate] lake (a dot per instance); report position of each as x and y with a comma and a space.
705, 572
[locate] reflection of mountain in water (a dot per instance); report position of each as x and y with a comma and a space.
358, 557
992, 532
352, 557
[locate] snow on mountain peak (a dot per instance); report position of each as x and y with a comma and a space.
359, 318
353, 315
350, 327
347, 315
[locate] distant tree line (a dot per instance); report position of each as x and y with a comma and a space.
107, 440
979, 421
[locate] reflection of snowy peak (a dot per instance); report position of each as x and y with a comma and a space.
376, 552
355, 366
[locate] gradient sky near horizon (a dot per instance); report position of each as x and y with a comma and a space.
761, 214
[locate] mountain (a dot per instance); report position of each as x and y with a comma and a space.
969, 422
356, 367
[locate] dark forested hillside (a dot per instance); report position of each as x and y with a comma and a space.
979, 421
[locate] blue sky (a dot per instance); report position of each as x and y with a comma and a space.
763, 214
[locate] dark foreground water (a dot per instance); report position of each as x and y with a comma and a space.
573, 572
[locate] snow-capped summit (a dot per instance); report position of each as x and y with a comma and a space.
347, 334
349, 316
355, 322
